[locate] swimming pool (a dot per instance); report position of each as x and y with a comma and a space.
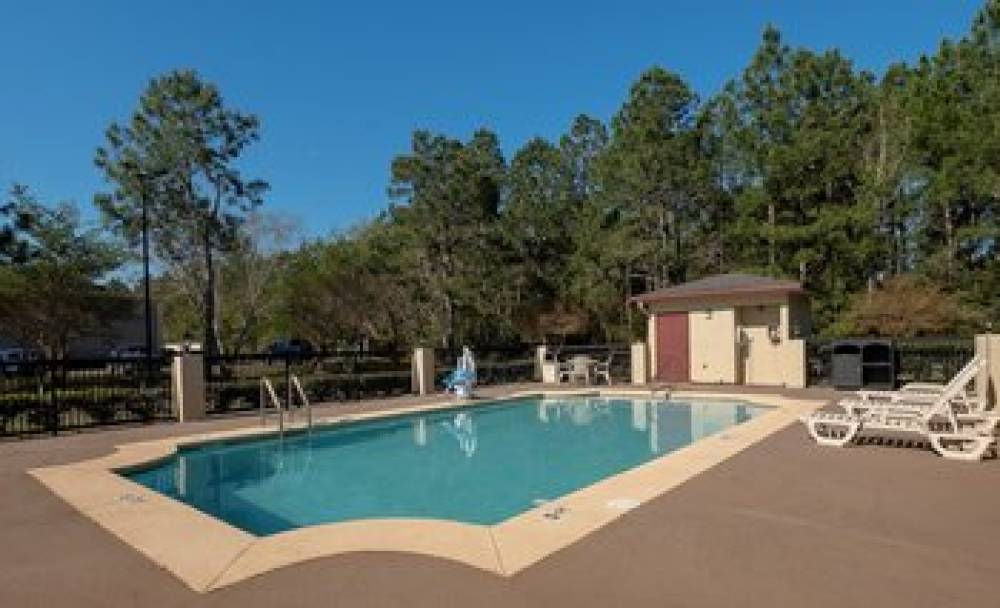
479, 464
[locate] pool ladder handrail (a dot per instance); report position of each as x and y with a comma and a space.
267, 392
303, 398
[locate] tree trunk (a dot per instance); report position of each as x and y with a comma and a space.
897, 247
666, 226
628, 296
448, 338
213, 345
886, 197
771, 249
675, 230
446, 277
949, 238
720, 239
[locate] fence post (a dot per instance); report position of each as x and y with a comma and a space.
422, 371
58, 384
540, 352
187, 375
988, 380
288, 383
640, 374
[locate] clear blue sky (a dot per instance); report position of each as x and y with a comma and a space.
340, 88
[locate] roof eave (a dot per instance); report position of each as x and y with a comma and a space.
653, 297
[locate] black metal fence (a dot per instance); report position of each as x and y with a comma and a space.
917, 359
41, 397
932, 360
234, 380
50, 396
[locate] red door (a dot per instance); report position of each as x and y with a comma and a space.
673, 363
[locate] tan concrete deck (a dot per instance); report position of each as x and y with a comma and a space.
208, 554
781, 522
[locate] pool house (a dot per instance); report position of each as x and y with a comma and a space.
728, 329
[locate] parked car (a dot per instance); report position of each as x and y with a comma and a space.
129, 353
11, 359
294, 346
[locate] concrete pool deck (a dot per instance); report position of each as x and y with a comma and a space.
782, 521
207, 553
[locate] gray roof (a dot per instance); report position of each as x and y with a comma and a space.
722, 285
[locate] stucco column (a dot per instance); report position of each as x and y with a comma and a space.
652, 344
540, 351
640, 373
795, 358
797, 375
187, 395
422, 371
988, 380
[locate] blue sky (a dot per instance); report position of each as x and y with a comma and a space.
339, 87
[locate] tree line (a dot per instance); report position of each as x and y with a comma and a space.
881, 193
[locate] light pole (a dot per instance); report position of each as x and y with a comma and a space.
142, 178
145, 273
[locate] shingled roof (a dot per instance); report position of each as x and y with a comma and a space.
721, 285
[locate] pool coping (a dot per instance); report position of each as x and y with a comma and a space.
207, 553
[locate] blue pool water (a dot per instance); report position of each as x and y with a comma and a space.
479, 464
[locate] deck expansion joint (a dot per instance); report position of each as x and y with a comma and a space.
501, 569
211, 586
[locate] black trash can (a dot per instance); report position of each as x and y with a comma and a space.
845, 365
868, 363
878, 364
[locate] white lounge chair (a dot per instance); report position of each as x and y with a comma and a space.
961, 437
910, 391
922, 396
947, 423
835, 429
969, 437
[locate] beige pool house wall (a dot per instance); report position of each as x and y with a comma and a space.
712, 334
730, 340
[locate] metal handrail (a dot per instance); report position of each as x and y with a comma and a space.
267, 390
305, 400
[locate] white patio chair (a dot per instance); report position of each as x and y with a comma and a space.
564, 371
580, 368
602, 369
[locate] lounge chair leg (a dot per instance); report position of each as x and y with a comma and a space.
945, 444
825, 432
